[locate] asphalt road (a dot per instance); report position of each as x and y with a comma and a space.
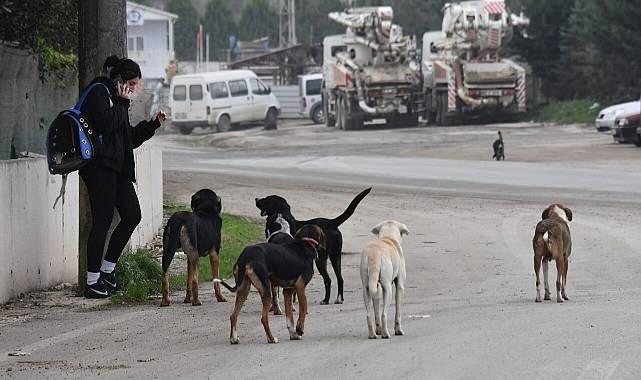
469, 311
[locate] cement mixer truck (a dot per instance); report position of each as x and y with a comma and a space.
370, 72
463, 69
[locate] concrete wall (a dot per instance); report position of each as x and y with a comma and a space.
149, 188
28, 105
38, 244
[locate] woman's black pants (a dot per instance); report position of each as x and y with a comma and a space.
109, 190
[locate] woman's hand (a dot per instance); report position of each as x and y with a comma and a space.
161, 116
124, 91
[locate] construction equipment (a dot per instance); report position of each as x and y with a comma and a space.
370, 72
463, 70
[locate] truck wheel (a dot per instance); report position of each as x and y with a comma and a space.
318, 114
348, 121
185, 129
224, 124
340, 114
330, 120
271, 120
442, 118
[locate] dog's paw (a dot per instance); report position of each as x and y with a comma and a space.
299, 331
537, 300
566, 298
399, 332
547, 296
273, 341
221, 299
338, 302
372, 337
164, 303
559, 300
196, 303
378, 330
295, 337
385, 335
234, 341
187, 300
324, 302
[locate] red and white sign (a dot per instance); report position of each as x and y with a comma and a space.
495, 7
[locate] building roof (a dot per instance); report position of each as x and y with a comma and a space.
156, 12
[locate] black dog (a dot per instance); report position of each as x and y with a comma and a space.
290, 266
277, 231
198, 233
274, 204
499, 148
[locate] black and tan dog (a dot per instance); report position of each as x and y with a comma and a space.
198, 234
552, 241
275, 204
277, 231
290, 266
499, 148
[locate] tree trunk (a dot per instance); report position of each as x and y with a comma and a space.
102, 29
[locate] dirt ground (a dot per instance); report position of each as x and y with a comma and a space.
469, 311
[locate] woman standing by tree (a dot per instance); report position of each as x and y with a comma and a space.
109, 177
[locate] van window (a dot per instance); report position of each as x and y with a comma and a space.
180, 93
314, 86
258, 88
218, 90
195, 92
238, 88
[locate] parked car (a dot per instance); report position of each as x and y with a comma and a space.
311, 102
625, 130
221, 99
605, 121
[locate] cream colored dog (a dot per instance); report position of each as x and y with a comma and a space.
382, 264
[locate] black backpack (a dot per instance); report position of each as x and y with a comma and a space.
71, 142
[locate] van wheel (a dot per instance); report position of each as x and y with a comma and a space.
271, 120
318, 115
185, 130
224, 124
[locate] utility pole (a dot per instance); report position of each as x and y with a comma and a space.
102, 31
287, 27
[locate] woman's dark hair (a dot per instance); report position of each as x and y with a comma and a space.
125, 67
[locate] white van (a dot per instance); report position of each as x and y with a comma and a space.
220, 100
311, 102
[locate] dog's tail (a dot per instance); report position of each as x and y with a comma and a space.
373, 276
238, 277
170, 244
350, 209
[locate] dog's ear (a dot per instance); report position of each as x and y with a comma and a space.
546, 214
377, 229
403, 229
568, 212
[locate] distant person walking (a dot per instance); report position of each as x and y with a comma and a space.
110, 175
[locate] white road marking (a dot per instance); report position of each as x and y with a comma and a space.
599, 370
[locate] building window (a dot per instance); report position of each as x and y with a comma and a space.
130, 44
140, 44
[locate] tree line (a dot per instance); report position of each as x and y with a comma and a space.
581, 49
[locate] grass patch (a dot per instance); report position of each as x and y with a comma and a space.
567, 112
139, 274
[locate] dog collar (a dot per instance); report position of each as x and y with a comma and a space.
311, 241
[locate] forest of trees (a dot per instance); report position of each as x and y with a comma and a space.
581, 49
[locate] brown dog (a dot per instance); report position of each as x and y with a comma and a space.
552, 241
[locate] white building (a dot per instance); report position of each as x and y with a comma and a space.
150, 39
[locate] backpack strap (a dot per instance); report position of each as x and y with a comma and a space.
63, 190
81, 101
